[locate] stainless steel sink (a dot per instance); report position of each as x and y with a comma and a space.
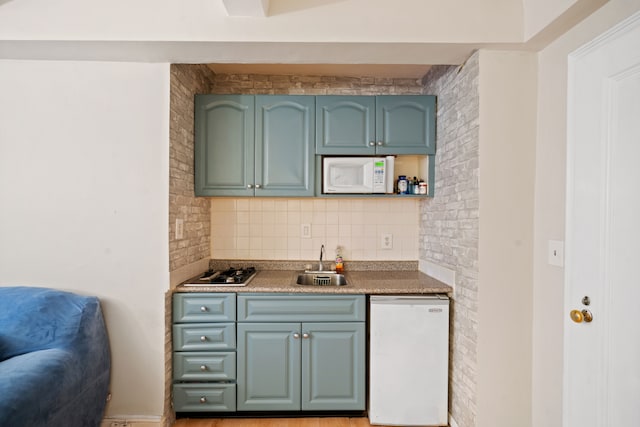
324, 278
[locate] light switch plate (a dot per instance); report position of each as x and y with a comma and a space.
179, 229
305, 231
556, 253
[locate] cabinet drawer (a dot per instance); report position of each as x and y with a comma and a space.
301, 308
204, 308
204, 366
204, 336
204, 397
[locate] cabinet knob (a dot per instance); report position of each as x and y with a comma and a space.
372, 144
203, 338
203, 309
305, 335
203, 368
258, 186
380, 143
249, 186
296, 335
203, 399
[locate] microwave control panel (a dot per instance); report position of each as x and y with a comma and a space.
379, 179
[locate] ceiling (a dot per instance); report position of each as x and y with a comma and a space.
410, 71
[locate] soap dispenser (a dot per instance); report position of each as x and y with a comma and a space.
339, 261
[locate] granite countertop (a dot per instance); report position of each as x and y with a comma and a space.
395, 278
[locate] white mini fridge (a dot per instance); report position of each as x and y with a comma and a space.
409, 360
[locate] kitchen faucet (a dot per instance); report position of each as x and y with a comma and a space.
320, 268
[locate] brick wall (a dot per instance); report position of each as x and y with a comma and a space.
255, 84
449, 221
186, 81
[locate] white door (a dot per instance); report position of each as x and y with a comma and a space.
602, 357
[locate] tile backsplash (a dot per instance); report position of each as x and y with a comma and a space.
271, 228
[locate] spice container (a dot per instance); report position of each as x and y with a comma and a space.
423, 187
403, 185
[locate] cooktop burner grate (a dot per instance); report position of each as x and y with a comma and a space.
229, 277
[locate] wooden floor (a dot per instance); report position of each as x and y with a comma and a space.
274, 422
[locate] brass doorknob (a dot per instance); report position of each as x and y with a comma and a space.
580, 316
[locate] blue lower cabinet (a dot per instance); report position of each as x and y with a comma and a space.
275, 352
204, 397
333, 374
204, 336
204, 366
269, 366
306, 365
204, 352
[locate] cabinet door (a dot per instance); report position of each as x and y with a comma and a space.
406, 124
268, 367
224, 145
285, 145
345, 125
333, 366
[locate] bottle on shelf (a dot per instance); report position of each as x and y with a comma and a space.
403, 184
423, 187
416, 186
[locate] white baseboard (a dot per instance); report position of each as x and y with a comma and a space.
139, 421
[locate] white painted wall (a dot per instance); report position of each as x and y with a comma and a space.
289, 20
540, 13
83, 195
507, 85
550, 185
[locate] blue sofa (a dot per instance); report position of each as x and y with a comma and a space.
54, 358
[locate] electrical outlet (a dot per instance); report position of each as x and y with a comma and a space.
305, 231
386, 241
179, 229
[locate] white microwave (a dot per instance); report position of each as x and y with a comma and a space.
357, 175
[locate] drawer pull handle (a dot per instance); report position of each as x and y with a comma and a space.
203, 309
203, 338
203, 368
203, 399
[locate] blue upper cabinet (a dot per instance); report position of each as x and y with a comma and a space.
224, 145
248, 145
368, 125
345, 124
285, 145
406, 124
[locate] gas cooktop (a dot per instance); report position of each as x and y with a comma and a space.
229, 277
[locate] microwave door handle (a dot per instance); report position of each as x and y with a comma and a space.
367, 179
